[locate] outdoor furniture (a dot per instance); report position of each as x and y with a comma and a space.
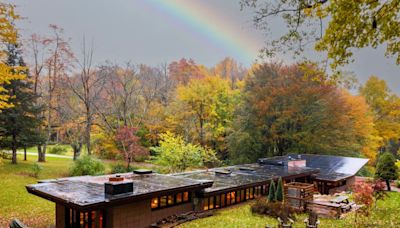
312, 221
282, 224
15, 223
340, 199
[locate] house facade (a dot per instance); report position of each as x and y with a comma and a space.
142, 198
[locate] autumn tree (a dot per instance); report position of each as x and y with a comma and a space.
183, 71
350, 25
385, 106
175, 155
229, 69
87, 85
19, 122
204, 110
129, 144
57, 63
295, 109
8, 35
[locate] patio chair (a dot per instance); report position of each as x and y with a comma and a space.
312, 221
15, 223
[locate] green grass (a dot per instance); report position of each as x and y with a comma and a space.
16, 202
385, 215
68, 147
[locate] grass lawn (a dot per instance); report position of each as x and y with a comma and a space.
16, 202
387, 214
48, 149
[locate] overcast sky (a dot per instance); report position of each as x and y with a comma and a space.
158, 31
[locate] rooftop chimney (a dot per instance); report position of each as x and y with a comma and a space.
117, 185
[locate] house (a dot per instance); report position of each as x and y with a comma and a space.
142, 198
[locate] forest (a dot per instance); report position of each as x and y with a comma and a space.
182, 114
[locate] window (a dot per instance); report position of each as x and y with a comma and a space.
170, 200
89, 219
186, 197
251, 193
179, 197
223, 200
228, 198
217, 201
232, 197
247, 194
154, 203
242, 194
238, 196
211, 202
205, 206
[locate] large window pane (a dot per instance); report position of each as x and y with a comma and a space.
185, 196
154, 203
179, 198
217, 201
211, 202
163, 201
223, 200
170, 200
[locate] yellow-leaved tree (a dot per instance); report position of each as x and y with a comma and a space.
8, 35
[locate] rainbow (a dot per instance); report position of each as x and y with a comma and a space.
203, 21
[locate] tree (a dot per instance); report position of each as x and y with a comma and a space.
57, 63
8, 35
87, 86
19, 122
351, 25
385, 107
271, 192
279, 190
296, 109
204, 110
130, 144
176, 155
230, 70
386, 168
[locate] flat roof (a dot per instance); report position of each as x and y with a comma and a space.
242, 175
85, 192
332, 168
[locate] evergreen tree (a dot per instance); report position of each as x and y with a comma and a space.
279, 191
386, 168
18, 123
271, 192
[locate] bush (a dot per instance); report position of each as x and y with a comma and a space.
36, 169
121, 168
87, 165
58, 149
398, 183
274, 209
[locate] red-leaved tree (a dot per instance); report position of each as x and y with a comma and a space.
129, 144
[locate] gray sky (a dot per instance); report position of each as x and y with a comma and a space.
158, 31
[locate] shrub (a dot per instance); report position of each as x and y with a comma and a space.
279, 190
121, 168
274, 209
363, 194
87, 165
58, 149
398, 183
36, 169
271, 192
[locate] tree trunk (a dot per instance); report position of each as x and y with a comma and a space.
77, 150
88, 126
388, 185
24, 153
42, 153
